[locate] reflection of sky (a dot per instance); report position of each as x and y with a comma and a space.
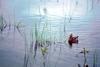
30, 7
86, 23
26, 8
28, 11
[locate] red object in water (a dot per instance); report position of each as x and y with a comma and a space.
72, 39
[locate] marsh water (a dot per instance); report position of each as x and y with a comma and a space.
18, 40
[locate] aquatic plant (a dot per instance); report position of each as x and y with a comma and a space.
84, 52
23, 35
95, 59
9, 27
36, 40
19, 26
26, 52
60, 49
3, 24
44, 50
64, 26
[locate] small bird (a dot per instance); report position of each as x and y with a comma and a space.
73, 39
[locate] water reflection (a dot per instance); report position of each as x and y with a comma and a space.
44, 51
48, 28
84, 52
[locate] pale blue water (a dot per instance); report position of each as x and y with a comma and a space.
12, 44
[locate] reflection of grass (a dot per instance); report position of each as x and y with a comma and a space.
84, 52
26, 51
44, 51
22, 33
85, 58
40, 39
3, 24
60, 49
95, 59
18, 26
36, 40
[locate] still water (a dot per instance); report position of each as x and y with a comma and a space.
17, 48
12, 47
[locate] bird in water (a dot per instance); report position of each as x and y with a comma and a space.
72, 39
